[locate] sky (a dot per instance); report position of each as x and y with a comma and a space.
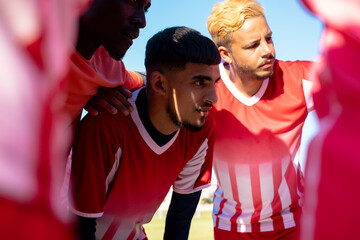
296, 34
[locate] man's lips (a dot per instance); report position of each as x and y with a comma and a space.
204, 110
132, 35
267, 63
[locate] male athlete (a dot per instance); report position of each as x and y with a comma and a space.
262, 105
123, 166
106, 31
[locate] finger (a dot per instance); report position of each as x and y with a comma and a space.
124, 109
91, 110
124, 91
120, 102
106, 105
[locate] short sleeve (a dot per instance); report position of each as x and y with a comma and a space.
196, 174
133, 80
96, 156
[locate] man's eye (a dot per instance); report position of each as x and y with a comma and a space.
253, 46
199, 83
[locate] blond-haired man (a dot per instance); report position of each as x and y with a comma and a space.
262, 105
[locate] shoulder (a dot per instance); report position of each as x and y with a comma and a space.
134, 80
104, 124
297, 67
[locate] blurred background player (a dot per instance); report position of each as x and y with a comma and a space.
331, 191
36, 39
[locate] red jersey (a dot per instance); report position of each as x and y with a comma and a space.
256, 154
87, 76
35, 51
331, 206
121, 176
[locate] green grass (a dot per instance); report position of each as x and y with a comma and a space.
201, 227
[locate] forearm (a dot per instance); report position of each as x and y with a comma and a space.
87, 228
179, 216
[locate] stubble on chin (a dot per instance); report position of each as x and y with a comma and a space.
183, 123
264, 76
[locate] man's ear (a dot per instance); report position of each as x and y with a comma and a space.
158, 82
225, 54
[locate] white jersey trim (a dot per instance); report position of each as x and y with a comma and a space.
144, 134
114, 168
87, 215
192, 190
237, 94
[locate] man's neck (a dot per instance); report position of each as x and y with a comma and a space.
159, 137
247, 86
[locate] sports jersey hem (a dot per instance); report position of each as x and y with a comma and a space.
246, 228
188, 191
88, 215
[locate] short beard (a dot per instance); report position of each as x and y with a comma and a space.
174, 118
243, 69
115, 57
114, 54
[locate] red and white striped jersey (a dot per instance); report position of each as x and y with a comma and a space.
257, 150
121, 176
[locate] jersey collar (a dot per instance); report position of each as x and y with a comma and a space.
144, 133
237, 94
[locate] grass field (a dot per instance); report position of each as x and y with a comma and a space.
201, 228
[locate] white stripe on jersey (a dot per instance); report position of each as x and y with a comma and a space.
115, 167
185, 182
124, 227
284, 191
267, 193
223, 175
102, 225
243, 182
223, 223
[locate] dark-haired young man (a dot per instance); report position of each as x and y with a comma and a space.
123, 166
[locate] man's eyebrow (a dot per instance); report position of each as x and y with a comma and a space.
269, 34
205, 78
252, 42
202, 77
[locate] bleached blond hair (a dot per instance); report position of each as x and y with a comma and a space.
229, 16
